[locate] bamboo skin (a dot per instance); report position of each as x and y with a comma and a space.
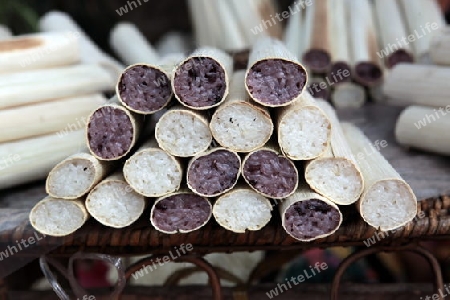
267, 49
293, 34
47, 117
364, 45
267, 10
248, 17
19, 165
232, 37
238, 99
440, 47
221, 58
56, 21
36, 86
348, 94
93, 172
202, 33
316, 55
418, 84
38, 51
106, 194
58, 228
391, 30
172, 43
338, 163
150, 190
308, 104
304, 193
387, 202
424, 128
183, 191
131, 45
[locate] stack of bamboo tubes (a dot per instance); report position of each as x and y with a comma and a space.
47, 91
194, 138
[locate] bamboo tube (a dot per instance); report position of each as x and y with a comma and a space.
58, 217
335, 174
31, 159
423, 18
214, 172
202, 34
172, 42
113, 202
182, 132
348, 94
56, 21
418, 84
38, 51
249, 18
269, 173
201, 81
48, 117
339, 40
232, 38
307, 216
152, 172
303, 129
274, 77
440, 47
318, 88
364, 45
131, 45
387, 202
316, 55
5, 33
424, 128
42, 85
75, 176
391, 30
180, 212
293, 33
242, 209
238, 124
268, 11
112, 131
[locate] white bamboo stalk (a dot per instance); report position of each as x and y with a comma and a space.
90, 52
418, 84
440, 47
172, 43
293, 34
348, 94
425, 128
42, 85
339, 32
248, 18
232, 37
32, 159
48, 117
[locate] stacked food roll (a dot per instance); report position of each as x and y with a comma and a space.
228, 144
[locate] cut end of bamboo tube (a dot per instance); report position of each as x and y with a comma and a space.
368, 74
399, 57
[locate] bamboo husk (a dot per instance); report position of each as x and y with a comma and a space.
440, 47
75, 176
387, 202
43, 85
177, 144
152, 172
31, 159
56, 21
249, 17
418, 84
316, 50
348, 94
113, 202
186, 211
5, 33
293, 37
203, 37
58, 217
172, 42
242, 209
135, 121
339, 39
48, 117
310, 129
367, 68
424, 128
131, 45
267, 10
335, 174
250, 127
419, 13
304, 193
278, 174
268, 49
38, 51
232, 37
224, 61
210, 180
391, 29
